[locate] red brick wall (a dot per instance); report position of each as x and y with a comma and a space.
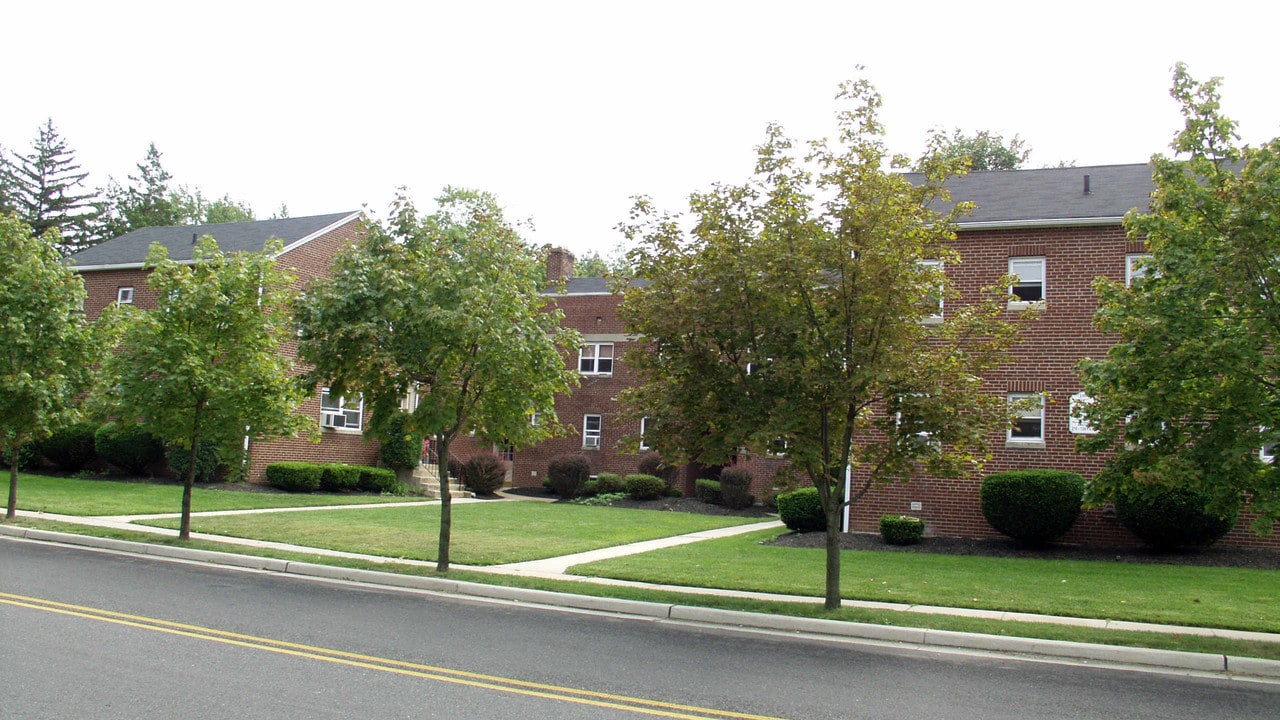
1044, 360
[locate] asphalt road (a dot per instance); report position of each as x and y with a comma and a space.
86, 634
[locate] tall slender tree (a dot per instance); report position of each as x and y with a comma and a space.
47, 190
801, 310
46, 351
447, 307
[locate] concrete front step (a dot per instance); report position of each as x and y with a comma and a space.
427, 479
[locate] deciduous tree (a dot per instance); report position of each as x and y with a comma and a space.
206, 366
446, 307
983, 149
46, 349
798, 311
1191, 391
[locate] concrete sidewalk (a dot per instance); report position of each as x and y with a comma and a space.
558, 568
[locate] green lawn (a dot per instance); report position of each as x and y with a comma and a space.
74, 496
1175, 594
488, 533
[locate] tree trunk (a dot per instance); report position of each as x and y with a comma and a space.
446, 503
12, 510
184, 528
833, 557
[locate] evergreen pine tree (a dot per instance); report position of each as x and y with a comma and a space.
43, 190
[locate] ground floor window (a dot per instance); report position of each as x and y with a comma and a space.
341, 412
591, 431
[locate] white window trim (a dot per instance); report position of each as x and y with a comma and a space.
340, 416
124, 295
645, 422
595, 357
937, 317
1016, 303
591, 439
1130, 272
1033, 442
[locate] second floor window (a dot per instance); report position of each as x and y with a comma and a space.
1030, 285
124, 295
596, 359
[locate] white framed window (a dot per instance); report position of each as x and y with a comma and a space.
1268, 452
1030, 286
933, 301
124, 295
535, 419
591, 431
341, 412
596, 359
777, 447
921, 437
1077, 422
1027, 410
645, 424
1135, 268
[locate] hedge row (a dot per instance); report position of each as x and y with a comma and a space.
332, 477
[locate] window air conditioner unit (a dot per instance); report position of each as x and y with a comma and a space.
333, 420
591, 442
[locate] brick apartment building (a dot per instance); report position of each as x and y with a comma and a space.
113, 273
1057, 229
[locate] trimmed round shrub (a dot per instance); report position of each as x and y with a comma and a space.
801, 510
335, 477
608, 483
735, 488
651, 463
1033, 507
644, 487
707, 490
485, 473
72, 447
1172, 518
207, 461
295, 476
901, 529
128, 447
568, 474
379, 480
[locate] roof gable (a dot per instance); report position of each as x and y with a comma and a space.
130, 249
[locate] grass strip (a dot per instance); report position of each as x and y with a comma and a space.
1158, 641
488, 533
1234, 598
86, 497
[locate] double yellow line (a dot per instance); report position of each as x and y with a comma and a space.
398, 667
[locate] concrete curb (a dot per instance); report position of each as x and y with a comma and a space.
1057, 649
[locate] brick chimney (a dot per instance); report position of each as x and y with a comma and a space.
559, 264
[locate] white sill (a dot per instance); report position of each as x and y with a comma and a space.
1024, 443
932, 320
1019, 305
342, 430
595, 374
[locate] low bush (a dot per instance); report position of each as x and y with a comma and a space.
379, 480
644, 487
567, 474
295, 476
207, 460
485, 473
601, 499
735, 488
72, 447
398, 448
651, 463
128, 447
28, 457
1173, 517
707, 490
608, 483
335, 477
801, 510
901, 529
1033, 507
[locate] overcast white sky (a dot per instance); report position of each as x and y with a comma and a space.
565, 110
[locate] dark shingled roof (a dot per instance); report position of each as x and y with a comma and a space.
132, 248
1051, 195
